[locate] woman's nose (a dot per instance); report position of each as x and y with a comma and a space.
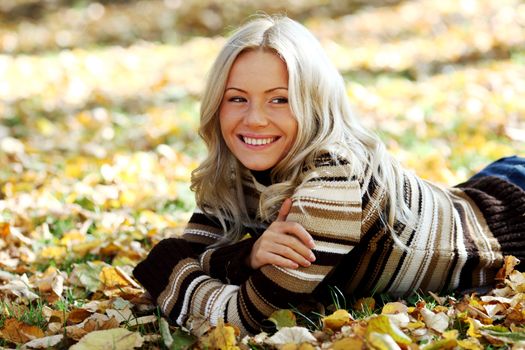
255, 116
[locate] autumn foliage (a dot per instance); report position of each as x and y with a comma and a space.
98, 115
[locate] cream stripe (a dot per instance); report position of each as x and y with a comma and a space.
303, 202
329, 247
196, 232
342, 229
187, 299
218, 307
301, 275
173, 286
204, 260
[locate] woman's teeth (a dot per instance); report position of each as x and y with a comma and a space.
257, 142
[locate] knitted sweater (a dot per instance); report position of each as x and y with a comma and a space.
450, 244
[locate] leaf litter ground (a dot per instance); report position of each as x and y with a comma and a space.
97, 152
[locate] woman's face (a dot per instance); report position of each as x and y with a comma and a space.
256, 121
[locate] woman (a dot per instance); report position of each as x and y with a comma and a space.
296, 196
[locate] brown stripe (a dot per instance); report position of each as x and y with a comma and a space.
188, 265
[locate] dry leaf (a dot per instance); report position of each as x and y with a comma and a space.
381, 324
293, 335
365, 304
436, 321
282, 318
337, 320
382, 341
43, 343
221, 337
111, 278
115, 339
18, 332
348, 343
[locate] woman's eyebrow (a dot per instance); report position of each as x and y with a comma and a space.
269, 90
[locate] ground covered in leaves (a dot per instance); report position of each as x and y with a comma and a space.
98, 112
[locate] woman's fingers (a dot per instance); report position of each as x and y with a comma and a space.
275, 259
302, 252
298, 231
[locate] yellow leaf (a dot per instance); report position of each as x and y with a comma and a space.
348, 343
443, 344
72, 236
381, 341
415, 325
451, 334
110, 277
53, 253
382, 324
473, 328
470, 344
222, 337
115, 339
394, 308
85, 247
337, 320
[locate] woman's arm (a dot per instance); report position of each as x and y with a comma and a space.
330, 210
226, 263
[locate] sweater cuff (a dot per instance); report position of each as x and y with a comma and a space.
228, 263
154, 272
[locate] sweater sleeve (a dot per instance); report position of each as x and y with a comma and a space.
226, 263
329, 208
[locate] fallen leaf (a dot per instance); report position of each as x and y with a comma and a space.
382, 341
221, 337
111, 278
509, 263
283, 318
19, 332
348, 343
470, 344
77, 315
365, 304
115, 339
436, 321
43, 343
337, 320
181, 340
382, 324
20, 287
293, 335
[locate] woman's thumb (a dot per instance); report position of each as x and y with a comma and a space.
285, 209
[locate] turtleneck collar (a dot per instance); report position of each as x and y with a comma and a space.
263, 177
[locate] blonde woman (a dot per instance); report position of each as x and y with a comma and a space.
296, 196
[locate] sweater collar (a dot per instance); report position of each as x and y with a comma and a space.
262, 177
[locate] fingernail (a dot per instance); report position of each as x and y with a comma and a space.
312, 243
312, 257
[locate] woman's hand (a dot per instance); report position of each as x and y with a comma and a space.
285, 244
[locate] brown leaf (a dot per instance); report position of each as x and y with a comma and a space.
509, 264
77, 315
19, 332
365, 304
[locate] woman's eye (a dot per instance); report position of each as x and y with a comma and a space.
279, 100
236, 99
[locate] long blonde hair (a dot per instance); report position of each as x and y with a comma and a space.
318, 100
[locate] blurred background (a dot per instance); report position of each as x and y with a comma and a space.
99, 100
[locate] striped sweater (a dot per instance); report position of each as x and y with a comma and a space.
451, 244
